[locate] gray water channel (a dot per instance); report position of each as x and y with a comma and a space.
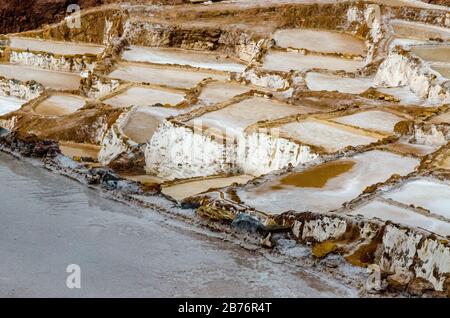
48, 222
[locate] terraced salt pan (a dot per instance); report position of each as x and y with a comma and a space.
413, 149
443, 118
444, 70
367, 168
331, 137
419, 31
411, 4
171, 77
143, 122
185, 190
431, 195
403, 94
235, 118
50, 79
55, 47
199, 59
433, 53
73, 149
60, 104
405, 43
287, 61
143, 96
10, 104
373, 119
319, 41
218, 92
327, 82
387, 212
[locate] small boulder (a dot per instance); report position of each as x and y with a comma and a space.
399, 281
419, 286
247, 223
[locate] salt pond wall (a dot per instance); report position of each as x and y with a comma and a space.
177, 151
416, 254
22, 90
400, 68
54, 62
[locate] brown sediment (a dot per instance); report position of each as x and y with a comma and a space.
365, 254
445, 163
215, 214
316, 177
79, 150
408, 149
321, 250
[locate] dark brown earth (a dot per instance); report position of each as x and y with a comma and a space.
23, 15
440, 2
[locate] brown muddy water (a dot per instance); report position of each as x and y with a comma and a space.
316, 177
72, 149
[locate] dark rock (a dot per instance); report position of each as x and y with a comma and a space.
103, 176
247, 223
3, 132
29, 145
419, 286
399, 281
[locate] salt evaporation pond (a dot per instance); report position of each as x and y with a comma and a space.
320, 41
10, 104
326, 187
55, 47
158, 55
